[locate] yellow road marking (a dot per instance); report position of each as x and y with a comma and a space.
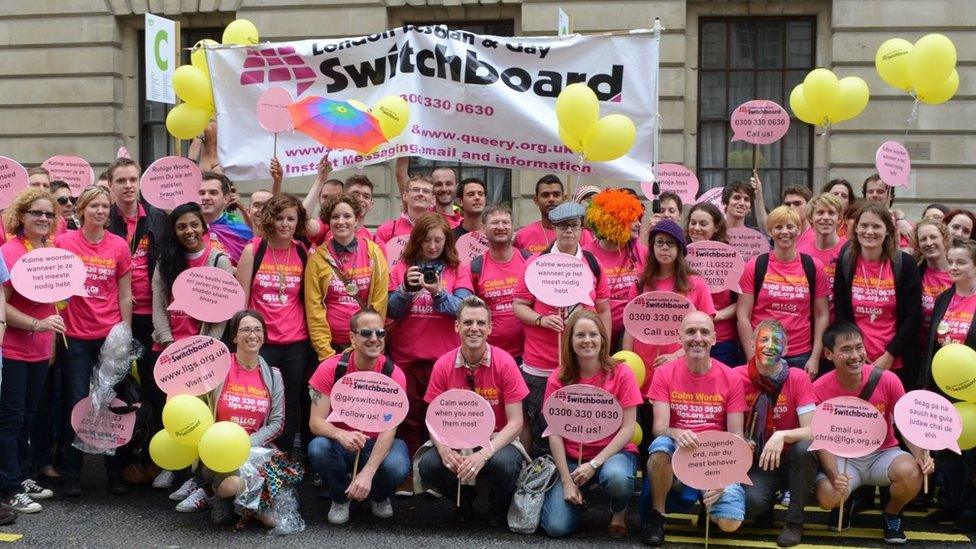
820, 531
10, 537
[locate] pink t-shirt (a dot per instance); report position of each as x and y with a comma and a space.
622, 270
957, 320
339, 305
795, 398
725, 330
875, 306
324, 378
141, 287
453, 219
21, 344
829, 260
244, 399
536, 239
276, 293
393, 228
94, 316
496, 285
785, 296
424, 334
806, 238
698, 402
933, 283
886, 394
621, 384
500, 383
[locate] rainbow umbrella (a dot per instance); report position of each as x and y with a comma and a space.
336, 124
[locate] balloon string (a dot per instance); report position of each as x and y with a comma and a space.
579, 174
912, 118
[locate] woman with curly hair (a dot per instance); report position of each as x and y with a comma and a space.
932, 241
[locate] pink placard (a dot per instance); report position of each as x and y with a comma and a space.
720, 460
171, 181
208, 294
714, 197
13, 179
748, 242
272, 110
73, 170
122, 153
368, 401
582, 413
655, 317
928, 420
47, 275
673, 178
460, 419
394, 247
559, 280
893, 163
471, 245
104, 430
192, 366
759, 122
719, 264
848, 427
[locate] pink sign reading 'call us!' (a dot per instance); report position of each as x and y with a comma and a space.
673, 178
47, 275
192, 366
720, 460
460, 419
928, 420
368, 401
719, 264
655, 317
471, 245
893, 163
559, 280
582, 413
208, 294
13, 179
759, 122
171, 181
73, 170
105, 430
848, 427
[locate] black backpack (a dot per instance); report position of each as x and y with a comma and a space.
343, 367
259, 257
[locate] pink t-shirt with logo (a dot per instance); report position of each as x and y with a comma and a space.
21, 344
933, 283
323, 380
496, 286
957, 320
244, 398
536, 239
785, 296
829, 260
276, 293
621, 384
699, 402
94, 316
795, 398
875, 306
391, 229
141, 286
884, 397
622, 269
339, 305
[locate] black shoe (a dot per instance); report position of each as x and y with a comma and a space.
7, 516
791, 535
765, 520
72, 487
464, 513
965, 524
118, 486
702, 517
652, 532
893, 533
849, 511
942, 515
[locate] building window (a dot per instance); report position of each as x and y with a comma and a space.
745, 59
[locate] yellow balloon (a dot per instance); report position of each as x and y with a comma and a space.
638, 435
821, 90
801, 110
186, 418
610, 139
198, 57
967, 411
393, 114
358, 104
169, 454
193, 86
570, 142
241, 32
954, 371
854, 95
187, 121
941, 93
577, 110
224, 447
931, 61
635, 363
891, 62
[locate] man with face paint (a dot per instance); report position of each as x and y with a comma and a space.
781, 404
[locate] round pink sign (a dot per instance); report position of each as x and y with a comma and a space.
272, 110
368, 401
582, 413
13, 179
928, 420
171, 181
559, 280
208, 294
748, 242
759, 122
47, 275
655, 317
73, 170
720, 460
192, 366
460, 419
394, 247
673, 178
104, 430
848, 427
714, 197
719, 264
893, 163
471, 245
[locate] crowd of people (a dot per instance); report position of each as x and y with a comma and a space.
852, 300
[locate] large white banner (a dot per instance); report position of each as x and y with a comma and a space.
478, 99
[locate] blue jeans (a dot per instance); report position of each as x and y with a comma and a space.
334, 464
728, 353
503, 468
797, 361
49, 420
76, 371
23, 383
616, 477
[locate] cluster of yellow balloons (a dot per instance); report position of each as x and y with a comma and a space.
927, 68
823, 99
583, 131
192, 83
954, 371
636, 365
391, 111
189, 433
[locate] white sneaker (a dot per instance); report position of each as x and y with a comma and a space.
784, 500
184, 490
35, 490
382, 509
164, 480
22, 503
195, 502
339, 513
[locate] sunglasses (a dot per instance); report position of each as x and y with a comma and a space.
65, 200
39, 213
367, 333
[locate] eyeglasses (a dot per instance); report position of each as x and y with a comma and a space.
39, 213
568, 226
665, 244
251, 330
366, 333
65, 200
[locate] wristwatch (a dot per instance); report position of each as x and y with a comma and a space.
595, 464
538, 320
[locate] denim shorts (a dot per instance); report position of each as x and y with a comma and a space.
731, 506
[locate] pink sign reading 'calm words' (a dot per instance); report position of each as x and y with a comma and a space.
893, 163
759, 122
73, 170
13, 179
460, 419
47, 275
749, 242
720, 460
471, 245
171, 181
272, 110
582, 413
719, 264
928, 420
394, 248
848, 427
105, 430
673, 178
368, 401
192, 366
655, 317
559, 280
208, 294
714, 197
